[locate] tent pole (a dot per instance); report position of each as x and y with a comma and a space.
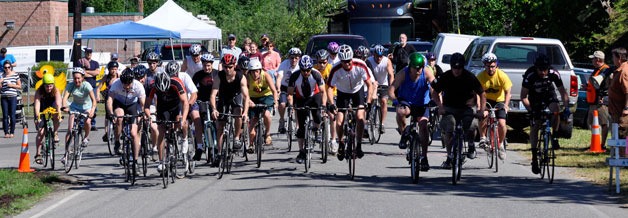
172, 50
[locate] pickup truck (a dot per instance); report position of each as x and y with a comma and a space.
515, 55
318, 42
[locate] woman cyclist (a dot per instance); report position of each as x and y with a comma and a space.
83, 101
46, 96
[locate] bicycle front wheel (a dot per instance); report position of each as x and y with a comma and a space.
414, 158
542, 156
290, 129
69, 153
378, 122
371, 125
259, 142
551, 164
350, 156
110, 137
495, 147
456, 169
490, 158
144, 147
324, 140
46, 147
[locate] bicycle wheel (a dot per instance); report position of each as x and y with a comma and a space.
208, 142
456, 160
378, 123
144, 147
290, 129
126, 159
259, 142
551, 164
543, 143
309, 140
371, 124
110, 137
188, 154
351, 158
490, 158
414, 158
495, 147
324, 139
69, 154
165, 172
179, 161
46, 147
78, 141
244, 139
224, 154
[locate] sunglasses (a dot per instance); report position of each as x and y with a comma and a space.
491, 66
151, 62
229, 66
322, 62
346, 61
7, 67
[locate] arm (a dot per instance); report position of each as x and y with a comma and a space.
524, 98
36, 106
212, 97
184, 66
245, 96
193, 98
64, 103
109, 105
507, 99
393, 87
185, 107
93, 98
391, 73
269, 80
279, 78
371, 90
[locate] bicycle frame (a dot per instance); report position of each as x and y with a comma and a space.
74, 158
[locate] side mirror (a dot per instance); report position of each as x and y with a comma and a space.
446, 58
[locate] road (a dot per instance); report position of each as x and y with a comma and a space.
281, 188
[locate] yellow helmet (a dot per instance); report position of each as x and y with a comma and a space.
49, 79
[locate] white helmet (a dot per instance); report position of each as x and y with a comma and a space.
173, 68
489, 58
345, 53
162, 81
78, 70
254, 64
294, 51
195, 49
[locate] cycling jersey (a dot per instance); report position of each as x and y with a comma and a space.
460, 90
127, 97
286, 70
350, 81
314, 81
261, 88
80, 95
204, 82
495, 85
415, 93
188, 84
325, 70
541, 88
193, 67
380, 71
169, 100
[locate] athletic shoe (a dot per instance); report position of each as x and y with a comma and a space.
341, 151
301, 157
446, 164
555, 144
237, 144
471, 154
198, 154
359, 153
85, 143
94, 128
269, 141
117, 148
502, 153
160, 168
535, 167
382, 130
334, 147
105, 138
425, 166
282, 128
484, 144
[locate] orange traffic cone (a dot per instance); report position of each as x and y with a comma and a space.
596, 138
25, 164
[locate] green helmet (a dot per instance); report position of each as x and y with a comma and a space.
417, 60
49, 79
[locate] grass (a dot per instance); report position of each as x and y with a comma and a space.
19, 191
574, 153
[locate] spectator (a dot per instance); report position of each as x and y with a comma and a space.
597, 91
114, 57
91, 68
6, 57
271, 60
246, 45
264, 40
253, 52
617, 91
11, 85
401, 53
231, 47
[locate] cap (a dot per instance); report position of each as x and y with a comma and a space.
136, 59
264, 36
232, 36
114, 55
597, 54
87, 50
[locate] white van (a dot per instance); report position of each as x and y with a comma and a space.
28, 56
448, 43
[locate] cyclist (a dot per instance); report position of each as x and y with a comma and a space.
46, 96
461, 89
349, 77
154, 61
412, 87
431, 61
537, 93
308, 89
324, 67
111, 77
333, 49
204, 80
384, 75
231, 88
126, 97
193, 63
172, 105
174, 71
83, 101
286, 68
496, 85
261, 91
243, 64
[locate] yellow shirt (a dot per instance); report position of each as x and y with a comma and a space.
495, 85
325, 74
259, 89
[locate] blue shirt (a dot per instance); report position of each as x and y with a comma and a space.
416, 93
6, 57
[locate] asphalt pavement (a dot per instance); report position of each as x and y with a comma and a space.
280, 187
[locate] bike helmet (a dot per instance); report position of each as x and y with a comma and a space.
243, 62
431, 56
207, 57
173, 68
195, 49
542, 61
127, 76
362, 52
457, 61
228, 59
379, 50
416, 60
489, 58
345, 53
139, 72
322, 54
254, 64
152, 56
78, 70
162, 81
49, 78
112, 64
306, 62
333, 47
295, 51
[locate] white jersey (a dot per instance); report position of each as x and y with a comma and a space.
333, 61
380, 71
350, 81
127, 97
190, 87
286, 70
193, 67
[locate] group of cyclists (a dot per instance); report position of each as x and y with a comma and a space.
334, 79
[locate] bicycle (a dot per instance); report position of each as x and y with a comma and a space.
415, 151
48, 142
226, 149
260, 129
74, 154
127, 160
209, 133
546, 155
311, 134
146, 143
458, 151
375, 119
109, 134
433, 125
169, 159
349, 128
290, 126
492, 149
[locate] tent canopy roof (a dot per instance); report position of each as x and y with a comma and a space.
171, 16
127, 30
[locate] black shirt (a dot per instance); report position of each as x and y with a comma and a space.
401, 55
228, 90
541, 87
460, 91
204, 82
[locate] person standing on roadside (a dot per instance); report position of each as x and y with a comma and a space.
11, 85
6, 57
271, 60
254, 53
231, 47
617, 91
91, 71
597, 92
401, 52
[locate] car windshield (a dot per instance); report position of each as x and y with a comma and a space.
321, 43
518, 55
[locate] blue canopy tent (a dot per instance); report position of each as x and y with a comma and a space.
126, 30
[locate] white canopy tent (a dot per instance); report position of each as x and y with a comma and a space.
171, 16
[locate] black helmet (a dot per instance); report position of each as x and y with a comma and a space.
139, 72
112, 64
127, 76
457, 61
243, 62
542, 61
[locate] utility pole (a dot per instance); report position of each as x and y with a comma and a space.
76, 48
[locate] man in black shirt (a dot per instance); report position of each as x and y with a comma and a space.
401, 52
460, 88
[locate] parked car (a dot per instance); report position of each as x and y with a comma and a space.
448, 43
582, 107
318, 42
